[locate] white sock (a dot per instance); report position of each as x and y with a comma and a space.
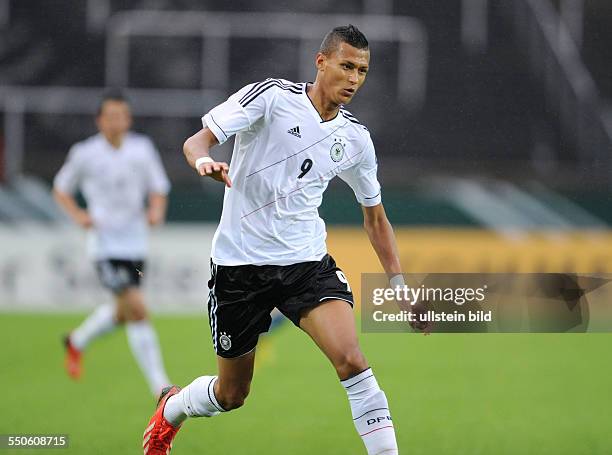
196, 400
101, 321
371, 414
145, 348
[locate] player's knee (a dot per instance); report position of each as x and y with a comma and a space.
350, 363
135, 314
233, 402
138, 313
234, 398
135, 309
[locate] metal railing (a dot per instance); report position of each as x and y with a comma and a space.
569, 87
5, 13
98, 12
16, 102
218, 28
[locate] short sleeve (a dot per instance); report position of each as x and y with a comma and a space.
362, 177
241, 110
69, 176
157, 177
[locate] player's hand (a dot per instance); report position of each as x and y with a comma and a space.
83, 219
217, 170
422, 326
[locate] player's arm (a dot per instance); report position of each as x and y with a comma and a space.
65, 184
362, 178
158, 188
197, 153
383, 241
69, 205
238, 113
382, 238
156, 213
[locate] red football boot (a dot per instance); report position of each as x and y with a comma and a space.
158, 436
72, 362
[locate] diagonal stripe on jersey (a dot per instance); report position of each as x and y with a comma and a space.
296, 153
349, 158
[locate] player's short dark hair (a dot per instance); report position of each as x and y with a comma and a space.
348, 34
111, 94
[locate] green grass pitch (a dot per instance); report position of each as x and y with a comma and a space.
450, 394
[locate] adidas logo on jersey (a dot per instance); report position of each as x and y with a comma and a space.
295, 131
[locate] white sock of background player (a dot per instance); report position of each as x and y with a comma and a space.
145, 348
98, 323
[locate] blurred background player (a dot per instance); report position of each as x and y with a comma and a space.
116, 171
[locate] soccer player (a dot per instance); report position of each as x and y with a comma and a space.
116, 170
269, 249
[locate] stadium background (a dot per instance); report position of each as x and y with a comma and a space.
493, 130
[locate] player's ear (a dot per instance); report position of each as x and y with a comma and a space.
320, 61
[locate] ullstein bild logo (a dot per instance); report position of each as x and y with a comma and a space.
542, 302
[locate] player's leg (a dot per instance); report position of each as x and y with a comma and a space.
320, 303
100, 322
104, 319
143, 340
234, 380
332, 327
142, 337
238, 313
208, 396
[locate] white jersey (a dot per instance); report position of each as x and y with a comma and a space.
284, 157
115, 184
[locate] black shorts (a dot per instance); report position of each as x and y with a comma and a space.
119, 274
241, 298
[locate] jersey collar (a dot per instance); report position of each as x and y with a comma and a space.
313, 109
